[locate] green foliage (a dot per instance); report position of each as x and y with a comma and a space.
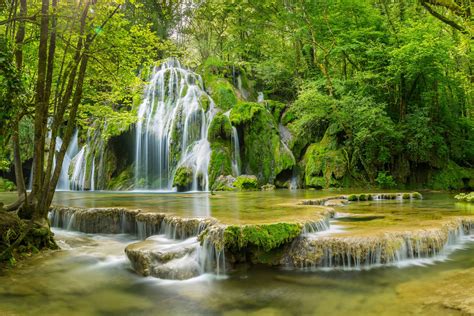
6, 185
244, 112
452, 177
223, 94
385, 180
276, 108
246, 183
265, 237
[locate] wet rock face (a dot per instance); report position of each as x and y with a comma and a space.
159, 257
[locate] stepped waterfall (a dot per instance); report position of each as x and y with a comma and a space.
172, 127
171, 132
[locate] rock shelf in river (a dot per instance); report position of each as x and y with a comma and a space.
344, 199
174, 247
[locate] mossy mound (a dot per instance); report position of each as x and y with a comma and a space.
183, 179
222, 93
220, 163
324, 164
246, 183
276, 108
220, 128
264, 155
266, 237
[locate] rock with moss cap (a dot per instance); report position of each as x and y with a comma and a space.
264, 153
183, 179
246, 183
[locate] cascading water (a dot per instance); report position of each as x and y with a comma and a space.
172, 127
235, 149
236, 152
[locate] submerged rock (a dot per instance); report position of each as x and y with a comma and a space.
224, 183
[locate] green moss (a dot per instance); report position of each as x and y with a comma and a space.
124, 180
6, 185
246, 183
220, 162
264, 237
220, 128
205, 102
325, 165
222, 93
406, 196
352, 198
276, 108
362, 197
263, 153
244, 112
416, 195
183, 178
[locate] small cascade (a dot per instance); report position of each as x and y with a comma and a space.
260, 97
236, 152
171, 132
212, 254
418, 247
72, 150
235, 149
312, 227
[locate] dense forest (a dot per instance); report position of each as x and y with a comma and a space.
329, 93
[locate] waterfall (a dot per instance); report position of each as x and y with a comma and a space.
260, 98
236, 152
235, 149
172, 127
72, 150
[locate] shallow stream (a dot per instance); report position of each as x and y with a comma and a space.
92, 275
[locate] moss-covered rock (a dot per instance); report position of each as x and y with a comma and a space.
183, 178
268, 187
123, 181
246, 183
276, 108
264, 154
220, 163
264, 237
324, 164
222, 92
244, 112
220, 128
223, 183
